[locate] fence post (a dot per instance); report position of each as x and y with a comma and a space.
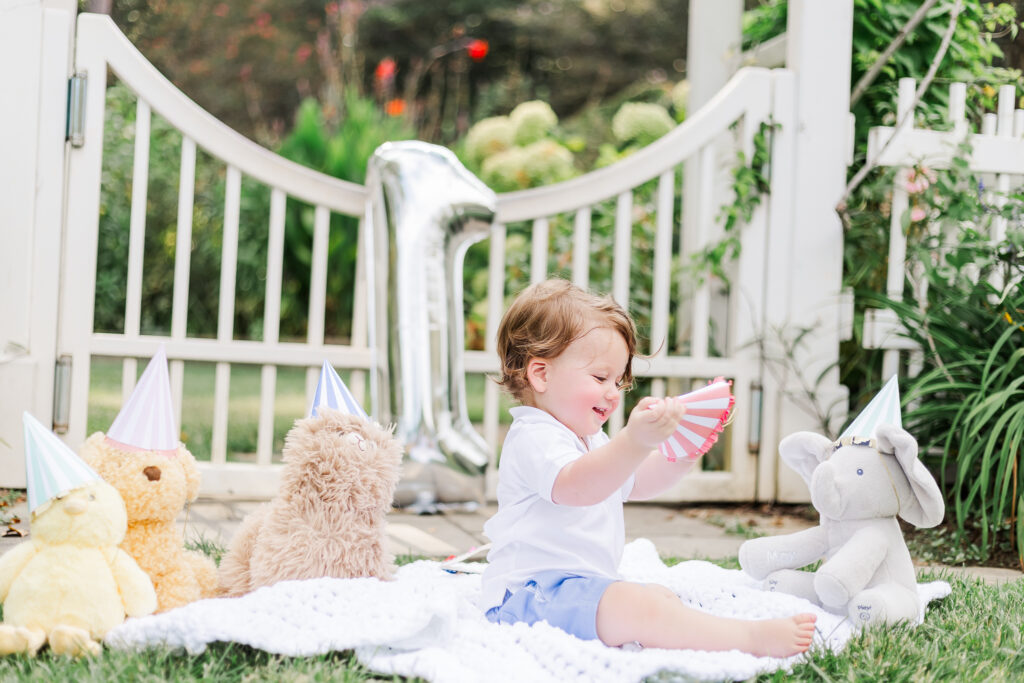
805, 260
35, 61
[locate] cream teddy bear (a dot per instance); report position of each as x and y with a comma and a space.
142, 458
155, 487
69, 583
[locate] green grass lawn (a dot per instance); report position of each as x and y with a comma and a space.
244, 403
975, 634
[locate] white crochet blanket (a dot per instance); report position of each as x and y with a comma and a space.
425, 624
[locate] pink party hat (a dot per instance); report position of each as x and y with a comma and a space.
146, 422
52, 469
707, 412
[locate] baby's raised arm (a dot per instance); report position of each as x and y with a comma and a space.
594, 476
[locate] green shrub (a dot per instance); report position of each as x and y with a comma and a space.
341, 151
966, 406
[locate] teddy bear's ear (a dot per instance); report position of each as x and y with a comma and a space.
803, 451
188, 464
927, 508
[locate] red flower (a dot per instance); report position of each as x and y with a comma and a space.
385, 69
477, 49
394, 107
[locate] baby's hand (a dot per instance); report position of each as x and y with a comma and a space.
654, 419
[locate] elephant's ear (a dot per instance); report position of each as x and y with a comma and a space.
927, 508
803, 451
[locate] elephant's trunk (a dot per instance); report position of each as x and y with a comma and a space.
825, 494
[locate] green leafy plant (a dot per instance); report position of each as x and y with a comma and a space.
876, 23
967, 404
342, 151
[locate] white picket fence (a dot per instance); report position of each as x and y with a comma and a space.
100, 45
787, 275
996, 154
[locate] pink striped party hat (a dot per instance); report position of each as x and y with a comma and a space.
146, 422
707, 412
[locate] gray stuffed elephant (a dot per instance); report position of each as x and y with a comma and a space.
859, 486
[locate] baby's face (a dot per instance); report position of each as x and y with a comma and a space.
581, 387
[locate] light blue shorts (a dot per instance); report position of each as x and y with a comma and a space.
567, 601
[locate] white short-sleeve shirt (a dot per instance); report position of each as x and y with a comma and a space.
530, 533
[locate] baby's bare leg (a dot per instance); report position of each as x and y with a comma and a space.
655, 617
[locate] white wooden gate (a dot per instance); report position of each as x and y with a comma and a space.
723, 324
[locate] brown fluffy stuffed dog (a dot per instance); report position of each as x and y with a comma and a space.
155, 488
329, 516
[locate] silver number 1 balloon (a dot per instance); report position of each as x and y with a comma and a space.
425, 210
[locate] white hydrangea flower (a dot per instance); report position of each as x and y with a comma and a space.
532, 121
641, 122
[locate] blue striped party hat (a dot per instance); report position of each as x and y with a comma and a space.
51, 468
883, 409
146, 421
331, 392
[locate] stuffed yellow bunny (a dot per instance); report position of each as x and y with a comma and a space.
69, 583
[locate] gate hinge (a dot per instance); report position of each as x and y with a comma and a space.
75, 132
62, 394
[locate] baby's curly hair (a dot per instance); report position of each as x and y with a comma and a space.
545, 319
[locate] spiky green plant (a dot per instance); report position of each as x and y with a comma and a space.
967, 403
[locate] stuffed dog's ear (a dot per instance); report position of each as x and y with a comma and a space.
803, 451
927, 507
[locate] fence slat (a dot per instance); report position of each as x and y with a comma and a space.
622, 248
1004, 129
900, 203
958, 108
182, 265
317, 291
662, 273
136, 241
360, 311
662, 263
226, 311
539, 252
705, 215
318, 276
581, 248
271, 325
620, 272
495, 308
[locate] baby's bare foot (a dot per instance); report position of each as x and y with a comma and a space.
782, 637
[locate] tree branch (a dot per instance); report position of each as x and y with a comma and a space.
859, 177
869, 77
